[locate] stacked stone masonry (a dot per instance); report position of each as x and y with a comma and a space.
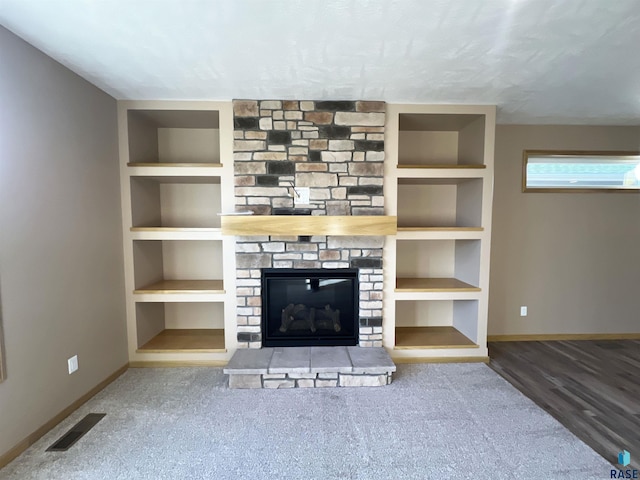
336, 148
309, 380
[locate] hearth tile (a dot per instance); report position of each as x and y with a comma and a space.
371, 360
249, 360
330, 359
290, 360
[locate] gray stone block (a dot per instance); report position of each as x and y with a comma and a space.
305, 383
290, 360
371, 360
251, 360
279, 384
347, 380
330, 359
245, 381
326, 383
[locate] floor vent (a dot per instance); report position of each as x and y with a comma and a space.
76, 432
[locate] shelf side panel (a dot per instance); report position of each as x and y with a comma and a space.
147, 263
149, 321
465, 318
143, 138
469, 203
471, 143
467, 261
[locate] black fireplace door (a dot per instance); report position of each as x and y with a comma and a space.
309, 307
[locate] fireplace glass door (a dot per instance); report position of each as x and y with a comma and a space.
309, 307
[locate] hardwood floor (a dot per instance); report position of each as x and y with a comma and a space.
591, 387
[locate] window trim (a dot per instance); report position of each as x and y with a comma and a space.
571, 154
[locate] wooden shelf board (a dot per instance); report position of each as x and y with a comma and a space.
440, 229
184, 340
412, 338
175, 229
433, 285
308, 225
164, 165
183, 286
442, 165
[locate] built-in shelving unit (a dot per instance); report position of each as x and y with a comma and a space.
177, 177
438, 182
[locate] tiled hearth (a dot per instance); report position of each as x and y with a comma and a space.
309, 367
336, 149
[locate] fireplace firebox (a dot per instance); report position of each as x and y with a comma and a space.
309, 307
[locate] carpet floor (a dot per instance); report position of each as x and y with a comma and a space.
435, 421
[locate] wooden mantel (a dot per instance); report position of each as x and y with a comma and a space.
309, 225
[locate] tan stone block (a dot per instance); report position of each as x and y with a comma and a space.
293, 115
291, 125
250, 168
298, 150
290, 105
329, 255
311, 167
271, 105
242, 156
319, 118
270, 156
244, 180
310, 134
254, 302
280, 125
358, 156
298, 158
306, 106
248, 145
238, 134
369, 106
339, 193
375, 136
250, 135
277, 114
319, 144
314, 179
245, 108
338, 167
360, 119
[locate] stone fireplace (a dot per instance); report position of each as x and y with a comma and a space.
336, 150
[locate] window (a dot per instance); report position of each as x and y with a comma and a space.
569, 171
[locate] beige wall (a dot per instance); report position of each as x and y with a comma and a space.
61, 274
572, 258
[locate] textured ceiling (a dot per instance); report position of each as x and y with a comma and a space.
540, 61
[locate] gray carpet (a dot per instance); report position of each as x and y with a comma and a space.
438, 421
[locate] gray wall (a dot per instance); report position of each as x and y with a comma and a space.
572, 258
61, 267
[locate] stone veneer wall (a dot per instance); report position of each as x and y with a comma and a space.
336, 148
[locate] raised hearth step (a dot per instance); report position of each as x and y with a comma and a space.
290, 367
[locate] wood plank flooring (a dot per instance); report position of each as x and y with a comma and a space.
591, 387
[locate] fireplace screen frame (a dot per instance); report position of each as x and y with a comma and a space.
347, 339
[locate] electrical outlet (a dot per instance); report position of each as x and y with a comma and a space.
302, 196
523, 311
73, 364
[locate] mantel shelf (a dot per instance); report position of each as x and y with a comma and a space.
433, 285
440, 229
309, 225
